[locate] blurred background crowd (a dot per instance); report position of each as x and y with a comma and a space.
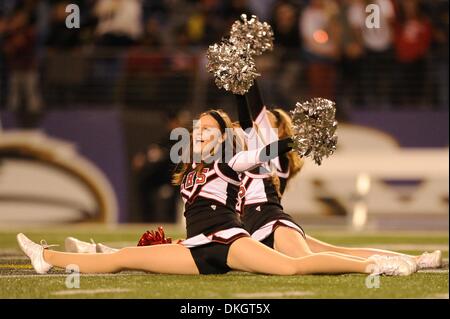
139, 58
128, 52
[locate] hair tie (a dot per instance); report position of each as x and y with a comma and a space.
219, 120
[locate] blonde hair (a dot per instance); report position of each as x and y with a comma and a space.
284, 125
182, 168
241, 141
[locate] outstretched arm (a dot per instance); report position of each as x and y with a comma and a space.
247, 160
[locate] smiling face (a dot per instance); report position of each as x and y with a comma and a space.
206, 135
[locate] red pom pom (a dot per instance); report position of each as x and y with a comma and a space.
154, 238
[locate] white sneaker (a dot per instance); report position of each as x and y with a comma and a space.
430, 260
103, 249
35, 252
73, 245
390, 266
411, 262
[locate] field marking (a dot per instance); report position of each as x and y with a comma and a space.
432, 271
72, 292
423, 271
122, 244
13, 266
273, 294
15, 257
65, 275
6, 252
424, 247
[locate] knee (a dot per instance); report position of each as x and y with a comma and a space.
289, 242
123, 251
288, 268
122, 255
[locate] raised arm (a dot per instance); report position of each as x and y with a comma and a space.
249, 106
244, 115
254, 100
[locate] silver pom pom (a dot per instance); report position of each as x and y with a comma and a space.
256, 35
315, 126
233, 67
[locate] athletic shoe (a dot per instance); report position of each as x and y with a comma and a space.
103, 249
35, 252
74, 245
412, 263
390, 266
78, 246
430, 260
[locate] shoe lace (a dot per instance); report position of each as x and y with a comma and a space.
391, 268
45, 245
385, 265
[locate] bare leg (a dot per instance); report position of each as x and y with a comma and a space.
318, 246
165, 259
289, 242
247, 254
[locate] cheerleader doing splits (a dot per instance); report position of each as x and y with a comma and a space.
260, 208
216, 240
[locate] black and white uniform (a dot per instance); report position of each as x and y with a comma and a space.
261, 209
210, 195
258, 202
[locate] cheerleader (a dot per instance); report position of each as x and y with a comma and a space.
262, 213
216, 240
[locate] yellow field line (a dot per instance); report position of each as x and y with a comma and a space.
16, 266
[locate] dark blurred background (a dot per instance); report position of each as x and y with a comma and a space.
135, 68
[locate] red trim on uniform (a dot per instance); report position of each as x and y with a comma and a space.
194, 194
228, 241
279, 223
243, 199
223, 176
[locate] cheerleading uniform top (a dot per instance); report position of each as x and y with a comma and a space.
210, 192
258, 201
210, 196
256, 185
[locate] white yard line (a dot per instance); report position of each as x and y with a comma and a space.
424, 247
425, 271
65, 275
273, 294
433, 271
70, 292
14, 257
16, 253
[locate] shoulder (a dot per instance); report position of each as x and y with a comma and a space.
225, 172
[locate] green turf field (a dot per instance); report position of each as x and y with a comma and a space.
18, 280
